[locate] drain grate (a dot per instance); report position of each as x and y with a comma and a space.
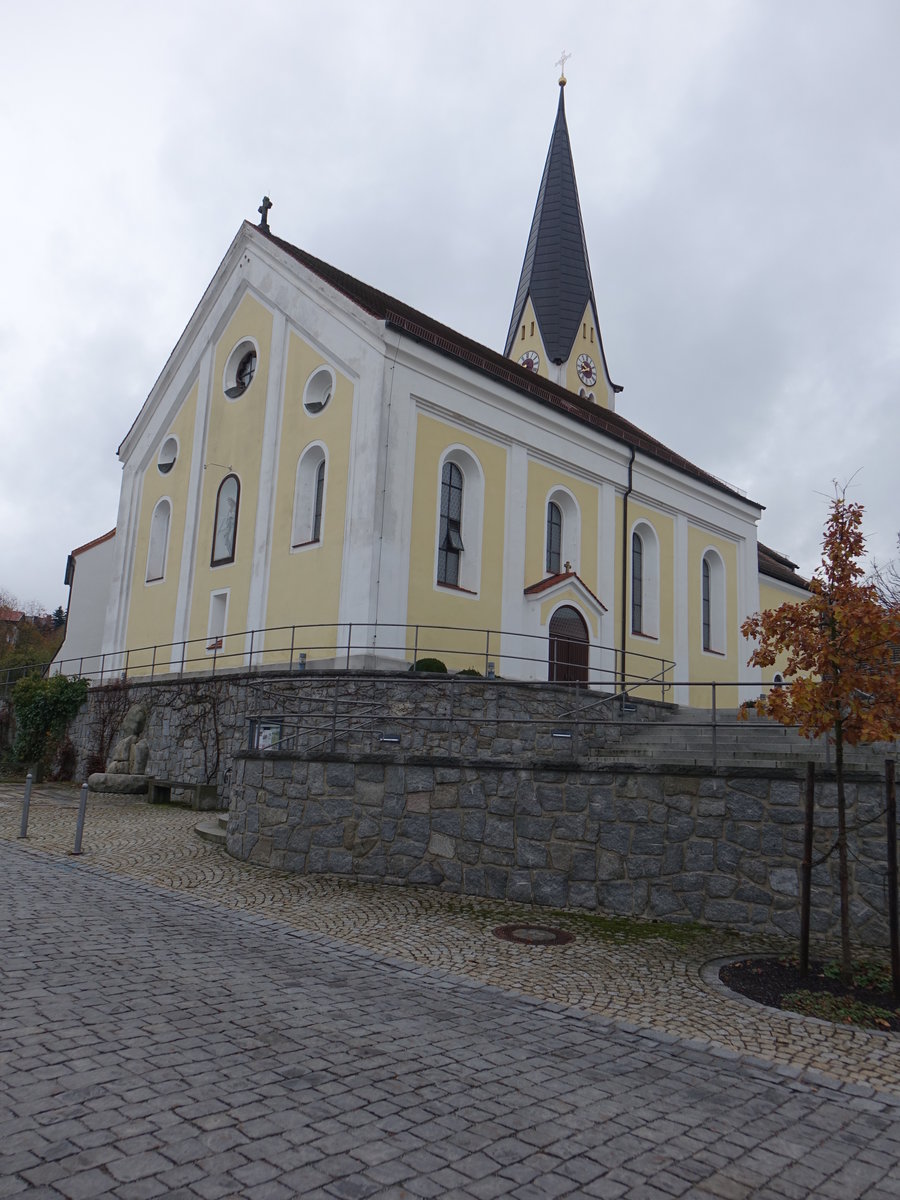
534, 935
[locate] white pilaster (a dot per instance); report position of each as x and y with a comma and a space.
268, 472
681, 615
181, 629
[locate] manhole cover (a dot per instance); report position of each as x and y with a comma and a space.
534, 935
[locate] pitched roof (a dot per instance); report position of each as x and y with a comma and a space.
556, 272
779, 566
96, 542
561, 577
455, 345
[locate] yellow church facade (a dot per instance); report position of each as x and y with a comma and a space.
322, 474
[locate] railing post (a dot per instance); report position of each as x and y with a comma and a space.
714, 737
334, 717
416, 648
153, 664
26, 804
487, 649
890, 788
349, 640
102, 667
291, 659
252, 634
127, 660
183, 648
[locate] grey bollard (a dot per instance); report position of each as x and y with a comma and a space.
79, 828
26, 803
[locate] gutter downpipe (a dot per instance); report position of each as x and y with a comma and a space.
628, 492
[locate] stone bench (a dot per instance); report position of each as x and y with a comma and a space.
204, 796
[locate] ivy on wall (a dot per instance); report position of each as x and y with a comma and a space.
43, 708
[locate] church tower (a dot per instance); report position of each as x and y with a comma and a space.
554, 328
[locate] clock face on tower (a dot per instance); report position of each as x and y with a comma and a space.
530, 359
587, 372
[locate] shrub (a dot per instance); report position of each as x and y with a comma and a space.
43, 709
471, 671
430, 664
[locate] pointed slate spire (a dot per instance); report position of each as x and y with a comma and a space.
556, 273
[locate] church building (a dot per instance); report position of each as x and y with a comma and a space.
324, 475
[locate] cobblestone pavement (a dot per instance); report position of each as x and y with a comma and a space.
176, 1023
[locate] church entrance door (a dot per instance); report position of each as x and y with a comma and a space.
568, 646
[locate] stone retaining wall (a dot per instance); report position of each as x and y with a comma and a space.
721, 849
197, 725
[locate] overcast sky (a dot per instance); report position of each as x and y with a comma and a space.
738, 164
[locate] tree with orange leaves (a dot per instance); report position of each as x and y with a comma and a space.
843, 680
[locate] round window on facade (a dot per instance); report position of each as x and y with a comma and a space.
240, 369
319, 390
167, 456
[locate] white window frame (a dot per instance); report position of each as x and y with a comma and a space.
649, 579
471, 525
570, 538
162, 556
216, 630
305, 497
717, 602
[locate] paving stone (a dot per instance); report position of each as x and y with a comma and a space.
262, 1035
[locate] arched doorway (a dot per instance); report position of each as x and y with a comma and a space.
568, 646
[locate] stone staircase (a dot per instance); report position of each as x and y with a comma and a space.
212, 828
687, 737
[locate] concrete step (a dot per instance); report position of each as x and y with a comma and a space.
212, 828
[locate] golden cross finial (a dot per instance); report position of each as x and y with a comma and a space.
561, 63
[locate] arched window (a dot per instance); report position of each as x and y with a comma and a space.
568, 646
563, 531
644, 580
309, 497
554, 539
712, 602
159, 541
225, 528
458, 529
450, 543
637, 583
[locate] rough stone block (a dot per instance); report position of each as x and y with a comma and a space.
495, 882
418, 802
647, 840
699, 856
550, 888
679, 828
663, 901
441, 845
583, 865
785, 881
616, 837
725, 912
582, 895
610, 866
744, 808
471, 795
530, 854
499, 832
419, 779
427, 873
550, 796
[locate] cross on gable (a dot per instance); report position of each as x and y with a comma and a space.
264, 211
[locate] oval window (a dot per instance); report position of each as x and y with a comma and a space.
318, 391
167, 456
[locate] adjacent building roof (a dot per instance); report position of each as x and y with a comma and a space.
779, 566
446, 340
556, 272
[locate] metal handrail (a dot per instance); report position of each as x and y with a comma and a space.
247, 649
